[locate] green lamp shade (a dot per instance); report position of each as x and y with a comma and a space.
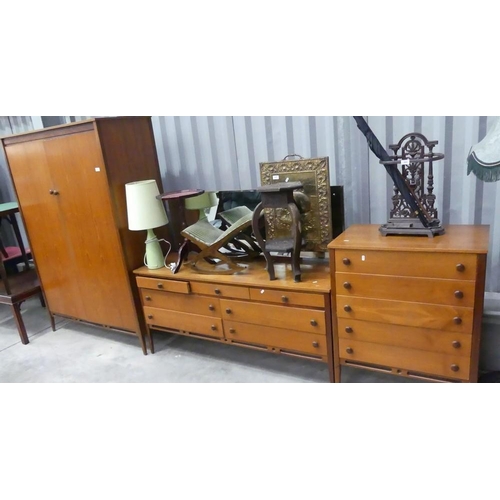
206, 200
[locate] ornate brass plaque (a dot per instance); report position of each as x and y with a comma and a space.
316, 223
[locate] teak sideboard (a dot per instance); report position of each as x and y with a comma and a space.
409, 305
70, 185
245, 309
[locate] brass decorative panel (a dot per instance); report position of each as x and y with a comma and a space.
317, 222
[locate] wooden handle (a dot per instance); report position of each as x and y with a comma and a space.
314, 322
232, 330
346, 261
460, 268
284, 298
456, 344
457, 320
459, 294
348, 329
315, 343
228, 311
159, 285
213, 327
349, 350
454, 368
217, 291
150, 316
347, 285
347, 308
211, 307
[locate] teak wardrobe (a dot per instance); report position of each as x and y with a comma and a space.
70, 185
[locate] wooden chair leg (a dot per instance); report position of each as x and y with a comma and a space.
16, 308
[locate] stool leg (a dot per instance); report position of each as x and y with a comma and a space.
260, 241
297, 240
16, 309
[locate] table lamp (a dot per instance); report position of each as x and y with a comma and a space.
146, 212
484, 158
202, 202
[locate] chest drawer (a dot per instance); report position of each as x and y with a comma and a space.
287, 298
411, 289
304, 320
217, 290
451, 318
455, 266
206, 306
425, 339
187, 322
453, 367
159, 284
282, 339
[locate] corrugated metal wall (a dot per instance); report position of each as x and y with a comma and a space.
224, 152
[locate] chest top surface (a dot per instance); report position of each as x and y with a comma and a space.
457, 238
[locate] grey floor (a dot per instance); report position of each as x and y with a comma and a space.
76, 352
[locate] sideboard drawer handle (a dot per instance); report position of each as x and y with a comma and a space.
217, 291
456, 344
211, 307
232, 330
150, 316
349, 350
347, 285
314, 322
460, 268
346, 261
348, 329
147, 297
160, 285
457, 320
213, 327
347, 308
284, 298
315, 343
228, 311
454, 368
459, 294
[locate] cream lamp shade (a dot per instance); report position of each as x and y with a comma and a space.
144, 210
201, 202
206, 200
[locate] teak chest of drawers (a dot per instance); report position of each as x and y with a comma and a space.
409, 305
245, 309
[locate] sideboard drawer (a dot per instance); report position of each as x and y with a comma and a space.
293, 318
411, 289
187, 322
207, 306
217, 290
426, 339
455, 367
430, 265
286, 298
451, 318
160, 284
284, 339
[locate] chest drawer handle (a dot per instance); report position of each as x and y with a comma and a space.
347, 285
349, 350
211, 307
150, 316
232, 330
159, 285
348, 329
217, 291
284, 298
315, 343
457, 320
459, 294
454, 368
347, 308
228, 311
346, 261
213, 327
314, 322
460, 268
456, 344
147, 297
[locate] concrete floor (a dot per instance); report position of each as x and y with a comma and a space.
81, 353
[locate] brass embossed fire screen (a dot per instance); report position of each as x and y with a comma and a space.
317, 222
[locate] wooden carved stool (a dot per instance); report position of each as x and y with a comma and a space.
280, 195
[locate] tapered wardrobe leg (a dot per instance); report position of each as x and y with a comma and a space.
16, 308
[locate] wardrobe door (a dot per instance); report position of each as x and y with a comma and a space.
79, 175
43, 222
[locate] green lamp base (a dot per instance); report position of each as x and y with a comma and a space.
153, 258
